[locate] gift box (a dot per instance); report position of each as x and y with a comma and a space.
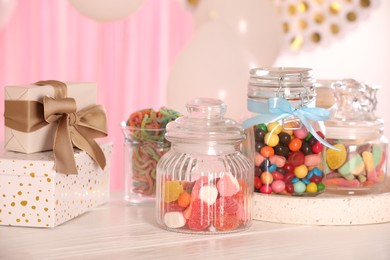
23, 105
33, 194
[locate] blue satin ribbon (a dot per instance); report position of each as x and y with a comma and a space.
278, 108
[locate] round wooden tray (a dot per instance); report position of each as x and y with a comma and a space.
325, 209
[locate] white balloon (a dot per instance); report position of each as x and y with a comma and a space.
255, 22
106, 10
213, 65
7, 8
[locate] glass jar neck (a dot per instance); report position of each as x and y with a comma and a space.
209, 148
296, 85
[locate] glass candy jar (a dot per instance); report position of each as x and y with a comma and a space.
360, 164
144, 144
204, 183
287, 130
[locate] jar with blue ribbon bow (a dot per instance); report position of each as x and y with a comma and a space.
287, 131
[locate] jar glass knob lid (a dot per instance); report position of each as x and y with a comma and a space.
352, 116
205, 122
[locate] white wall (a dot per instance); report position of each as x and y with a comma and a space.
363, 54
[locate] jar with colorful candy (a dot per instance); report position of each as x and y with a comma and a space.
144, 145
287, 131
360, 164
204, 183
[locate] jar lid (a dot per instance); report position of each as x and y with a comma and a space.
205, 123
293, 84
353, 115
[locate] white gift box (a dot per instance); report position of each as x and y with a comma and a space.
42, 139
33, 194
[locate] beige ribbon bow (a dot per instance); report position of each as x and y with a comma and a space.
75, 128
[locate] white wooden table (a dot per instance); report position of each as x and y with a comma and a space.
121, 231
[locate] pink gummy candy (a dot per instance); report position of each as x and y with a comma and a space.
228, 185
200, 216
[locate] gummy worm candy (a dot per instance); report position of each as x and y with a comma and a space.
147, 130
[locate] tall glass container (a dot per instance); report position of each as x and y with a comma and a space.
204, 183
288, 131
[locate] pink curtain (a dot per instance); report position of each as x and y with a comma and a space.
129, 59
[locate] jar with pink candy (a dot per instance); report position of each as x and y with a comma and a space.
359, 166
204, 183
287, 132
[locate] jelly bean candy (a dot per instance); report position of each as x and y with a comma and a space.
296, 158
267, 151
284, 138
172, 190
266, 189
295, 144
259, 159
274, 127
271, 139
278, 186
200, 216
299, 187
335, 158
311, 188
301, 133
313, 160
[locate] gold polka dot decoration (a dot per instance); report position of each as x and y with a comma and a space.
309, 23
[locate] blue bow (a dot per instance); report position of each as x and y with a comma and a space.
279, 108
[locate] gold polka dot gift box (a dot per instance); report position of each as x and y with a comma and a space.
33, 194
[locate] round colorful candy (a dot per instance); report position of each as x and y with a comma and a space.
295, 144
301, 133
317, 147
266, 178
259, 134
274, 127
300, 171
296, 158
299, 187
263, 127
289, 187
266, 189
267, 151
306, 148
278, 186
311, 188
282, 150
271, 139
284, 138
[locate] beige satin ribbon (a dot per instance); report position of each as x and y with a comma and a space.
77, 128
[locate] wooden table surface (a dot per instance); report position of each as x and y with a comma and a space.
121, 231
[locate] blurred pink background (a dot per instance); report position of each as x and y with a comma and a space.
131, 59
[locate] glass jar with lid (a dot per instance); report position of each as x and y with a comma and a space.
204, 183
360, 164
288, 131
